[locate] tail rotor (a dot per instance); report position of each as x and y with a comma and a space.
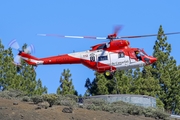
17, 59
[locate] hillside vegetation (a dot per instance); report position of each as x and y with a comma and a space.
13, 101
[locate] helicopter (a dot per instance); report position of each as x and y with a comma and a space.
105, 58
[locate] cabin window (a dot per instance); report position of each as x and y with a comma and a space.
102, 58
121, 55
138, 55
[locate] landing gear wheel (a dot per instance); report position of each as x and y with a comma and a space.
108, 74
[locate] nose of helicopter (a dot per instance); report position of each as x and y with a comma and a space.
152, 60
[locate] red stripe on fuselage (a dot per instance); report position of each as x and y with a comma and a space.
61, 59
97, 66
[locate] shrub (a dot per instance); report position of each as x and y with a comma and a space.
37, 99
66, 101
96, 102
155, 113
50, 98
44, 104
11, 94
73, 97
26, 99
15, 93
4, 94
135, 110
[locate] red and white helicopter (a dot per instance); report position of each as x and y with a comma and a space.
104, 58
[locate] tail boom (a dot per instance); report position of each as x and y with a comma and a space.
31, 60
60, 59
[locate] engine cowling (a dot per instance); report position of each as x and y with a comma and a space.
116, 44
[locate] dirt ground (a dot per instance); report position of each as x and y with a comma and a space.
17, 110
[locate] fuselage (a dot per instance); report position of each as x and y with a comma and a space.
99, 60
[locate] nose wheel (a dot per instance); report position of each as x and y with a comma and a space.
108, 74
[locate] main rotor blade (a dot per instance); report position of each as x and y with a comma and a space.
57, 35
14, 44
150, 35
117, 29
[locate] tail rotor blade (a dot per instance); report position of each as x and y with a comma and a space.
29, 49
14, 44
17, 60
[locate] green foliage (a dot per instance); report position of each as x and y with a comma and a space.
44, 104
144, 83
65, 101
37, 99
39, 90
155, 113
10, 94
159, 104
99, 85
53, 99
50, 98
167, 72
26, 99
123, 84
7, 69
66, 85
94, 104
73, 97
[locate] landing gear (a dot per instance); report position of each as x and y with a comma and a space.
108, 74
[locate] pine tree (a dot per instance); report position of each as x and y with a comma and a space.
144, 83
39, 90
101, 83
91, 87
123, 83
8, 70
166, 71
99, 86
88, 85
66, 85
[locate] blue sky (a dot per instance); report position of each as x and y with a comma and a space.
23, 20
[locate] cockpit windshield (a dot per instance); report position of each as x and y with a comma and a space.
142, 52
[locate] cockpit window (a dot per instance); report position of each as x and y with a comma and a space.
138, 55
143, 52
